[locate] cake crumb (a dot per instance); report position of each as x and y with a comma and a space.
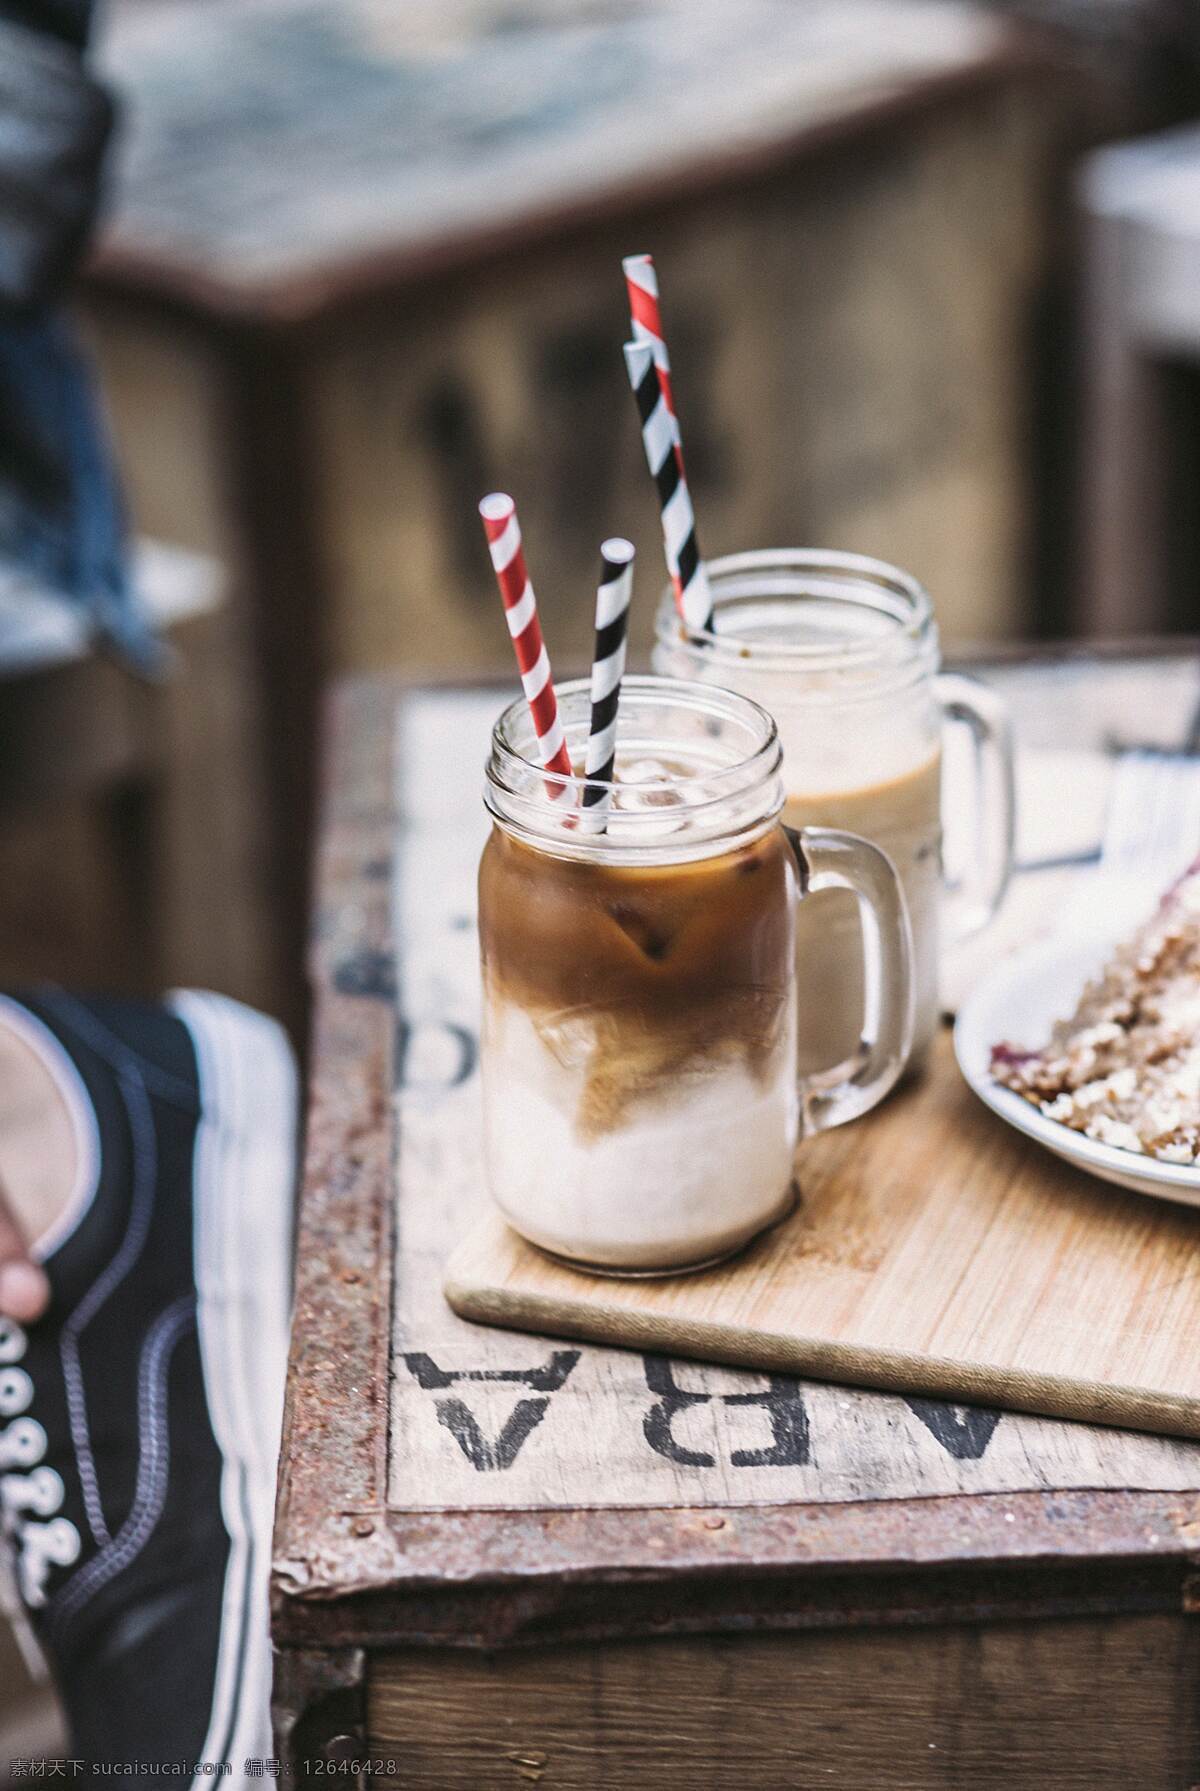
1124, 1069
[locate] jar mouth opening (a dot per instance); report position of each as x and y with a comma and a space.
734, 788
808, 609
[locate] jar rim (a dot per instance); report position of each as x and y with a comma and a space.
812, 573
516, 782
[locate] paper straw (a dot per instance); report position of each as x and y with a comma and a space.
608, 668
641, 282
503, 532
693, 598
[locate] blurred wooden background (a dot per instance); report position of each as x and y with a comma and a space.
363, 264
850, 253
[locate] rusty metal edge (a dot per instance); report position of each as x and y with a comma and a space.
333, 1453
505, 1578
347, 1569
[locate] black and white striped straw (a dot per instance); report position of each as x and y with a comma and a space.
608, 668
693, 597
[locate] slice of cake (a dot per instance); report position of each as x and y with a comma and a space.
1125, 1068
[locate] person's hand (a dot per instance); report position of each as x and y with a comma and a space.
24, 1289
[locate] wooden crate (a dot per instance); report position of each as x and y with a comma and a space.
512, 1560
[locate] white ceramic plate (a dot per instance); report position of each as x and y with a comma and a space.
1019, 1002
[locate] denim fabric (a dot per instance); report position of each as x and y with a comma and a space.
60, 509
61, 518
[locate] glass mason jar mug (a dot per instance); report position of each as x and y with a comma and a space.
843, 652
640, 999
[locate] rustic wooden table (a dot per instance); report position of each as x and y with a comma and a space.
502, 1560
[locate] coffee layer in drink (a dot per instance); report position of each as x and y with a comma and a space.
638, 979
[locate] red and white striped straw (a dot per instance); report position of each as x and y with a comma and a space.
503, 532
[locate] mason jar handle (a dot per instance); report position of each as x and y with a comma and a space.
829, 859
971, 906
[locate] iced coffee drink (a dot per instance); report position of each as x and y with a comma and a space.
843, 652
641, 1103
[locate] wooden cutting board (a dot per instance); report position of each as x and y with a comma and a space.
934, 1252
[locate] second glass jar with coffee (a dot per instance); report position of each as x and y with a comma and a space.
843, 652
